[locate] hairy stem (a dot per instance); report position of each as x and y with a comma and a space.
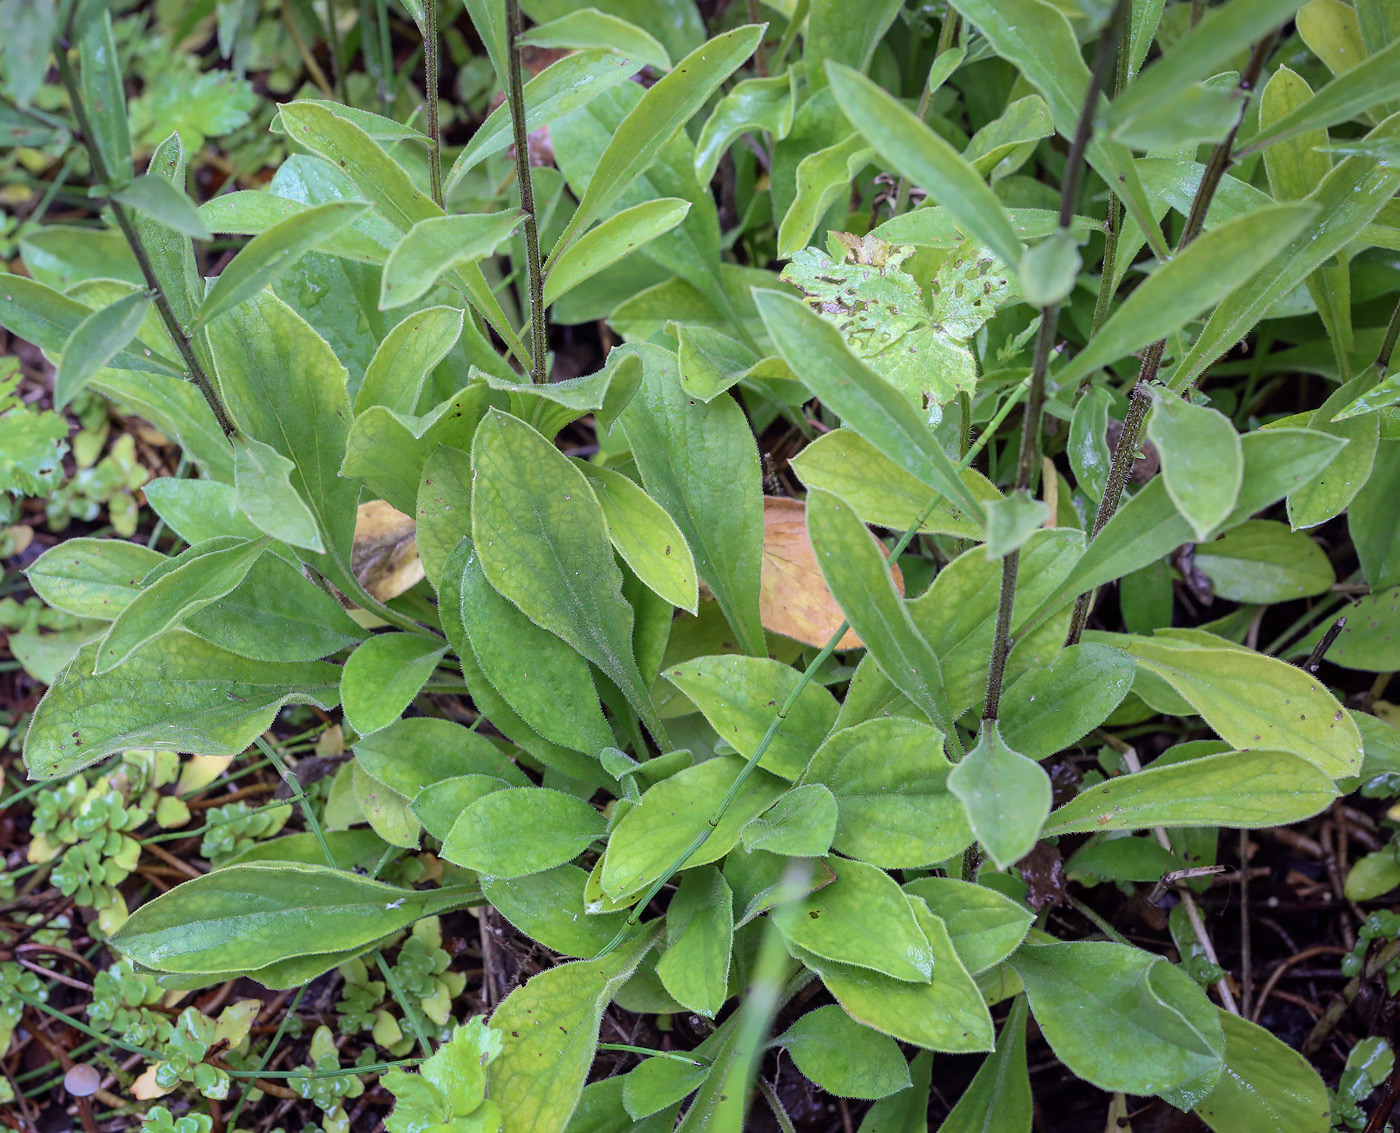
538, 344
138, 249
430, 67
1141, 398
947, 34
1392, 332
1028, 456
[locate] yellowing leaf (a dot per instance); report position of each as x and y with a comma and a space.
385, 553
794, 599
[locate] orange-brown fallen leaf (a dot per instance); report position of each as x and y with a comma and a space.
385, 554
794, 599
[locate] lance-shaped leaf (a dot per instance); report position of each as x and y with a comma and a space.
268, 255
590, 28
618, 236
100, 76
1220, 35
916, 152
1252, 700
999, 1096
436, 246
167, 601
263, 493
92, 578
403, 362
522, 830
1202, 459
558, 90
754, 104
1005, 794
865, 402
37, 313
1191, 282
646, 537
1376, 79
95, 341
543, 543
163, 202
660, 114
1248, 789
177, 694
694, 968
859, 578
244, 917
1347, 200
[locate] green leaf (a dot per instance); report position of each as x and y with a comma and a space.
1266, 1084
646, 537
844, 33
661, 113
547, 684
92, 578
244, 917
906, 1111
24, 59
250, 212
1193, 281
1239, 692
1121, 1019
1005, 794
391, 452
985, 926
1248, 789
1219, 36
651, 835
1011, 521
947, 1013
865, 402
404, 361
712, 362
590, 28
1347, 199
1261, 560
167, 601
284, 386
558, 90
890, 779
1375, 537
739, 696
383, 675
862, 918
264, 494
999, 1096
882, 493
1328, 493
1047, 710
1048, 270
1376, 79
413, 754
48, 318
1369, 641
378, 127
164, 202
700, 463
753, 104
437, 245
550, 1027
522, 830
276, 614
1000, 146
844, 1057
385, 809
549, 907
443, 512
859, 578
265, 257
916, 152
1383, 395
95, 341
1202, 460
618, 236
439, 805
548, 408
801, 824
694, 967
822, 176
542, 539
100, 75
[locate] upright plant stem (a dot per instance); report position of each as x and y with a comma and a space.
1028, 455
138, 249
946, 35
430, 68
333, 45
1392, 332
538, 344
1115, 216
1141, 399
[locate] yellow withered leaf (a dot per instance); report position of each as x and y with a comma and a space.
385, 553
794, 599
